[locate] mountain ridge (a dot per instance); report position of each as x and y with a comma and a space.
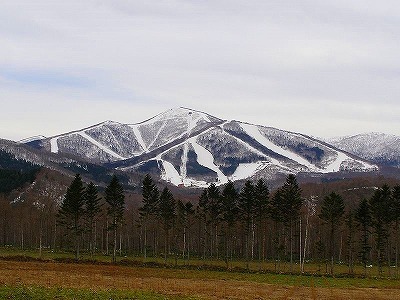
188, 147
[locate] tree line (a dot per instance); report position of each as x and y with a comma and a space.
251, 224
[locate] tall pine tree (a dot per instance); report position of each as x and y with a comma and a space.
115, 198
71, 212
92, 211
332, 211
364, 221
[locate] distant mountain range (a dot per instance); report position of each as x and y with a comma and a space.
379, 148
191, 148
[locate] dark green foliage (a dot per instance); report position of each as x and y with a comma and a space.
261, 197
364, 220
380, 205
11, 179
166, 208
166, 211
332, 211
71, 212
92, 210
246, 208
246, 203
229, 203
96, 172
286, 205
9, 162
214, 202
150, 196
287, 201
92, 202
115, 198
14, 173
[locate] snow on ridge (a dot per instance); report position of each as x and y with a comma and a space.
101, 146
31, 139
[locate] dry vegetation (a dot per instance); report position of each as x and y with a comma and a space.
201, 284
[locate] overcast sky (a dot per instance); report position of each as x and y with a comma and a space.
323, 68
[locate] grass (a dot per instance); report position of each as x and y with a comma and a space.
341, 270
57, 276
43, 293
38, 280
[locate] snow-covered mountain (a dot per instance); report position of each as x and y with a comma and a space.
379, 148
192, 148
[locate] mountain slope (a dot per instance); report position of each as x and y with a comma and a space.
379, 148
192, 148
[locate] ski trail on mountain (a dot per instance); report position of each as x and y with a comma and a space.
254, 132
170, 173
54, 145
139, 137
269, 159
101, 146
206, 159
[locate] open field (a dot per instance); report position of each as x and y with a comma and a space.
341, 270
98, 281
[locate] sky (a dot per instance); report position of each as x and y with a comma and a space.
319, 67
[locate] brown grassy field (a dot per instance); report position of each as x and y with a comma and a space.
201, 284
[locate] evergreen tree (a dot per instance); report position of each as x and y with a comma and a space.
289, 202
72, 210
246, 206
150, 195
202, 214
214, 212
92, 211
262, 209
115, 198
229, 210
380, 204
364, 220
185, 211
332, 211
167, 215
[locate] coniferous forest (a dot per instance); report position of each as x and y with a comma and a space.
250, 225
